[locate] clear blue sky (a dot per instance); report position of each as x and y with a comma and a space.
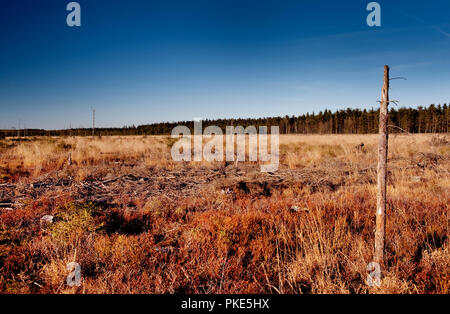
142, 61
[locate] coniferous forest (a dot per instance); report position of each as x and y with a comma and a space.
431, 119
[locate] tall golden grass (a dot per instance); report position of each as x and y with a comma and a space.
42, 155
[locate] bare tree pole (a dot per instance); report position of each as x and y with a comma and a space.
93, 121
381, 171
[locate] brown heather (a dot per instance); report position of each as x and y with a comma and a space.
137, 222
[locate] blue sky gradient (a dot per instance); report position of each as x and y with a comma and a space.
142, 61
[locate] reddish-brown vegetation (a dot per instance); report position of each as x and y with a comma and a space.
137, 222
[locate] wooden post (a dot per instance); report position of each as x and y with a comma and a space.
381, 171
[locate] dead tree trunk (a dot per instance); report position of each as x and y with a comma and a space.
93, 121
381, 171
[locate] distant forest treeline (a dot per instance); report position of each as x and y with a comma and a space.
433, 119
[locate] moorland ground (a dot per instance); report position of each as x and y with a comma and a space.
138, 222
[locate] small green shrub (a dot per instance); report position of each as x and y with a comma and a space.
73, 221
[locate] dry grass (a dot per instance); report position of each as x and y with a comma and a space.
307, 229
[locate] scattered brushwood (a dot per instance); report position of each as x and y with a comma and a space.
428, 160
439, 140
174, 183
6, 204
